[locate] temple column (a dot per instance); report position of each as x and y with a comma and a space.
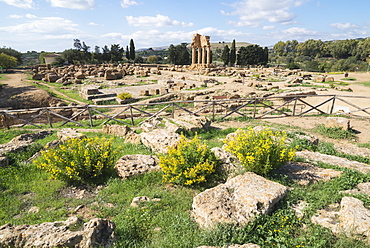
193, 59
208, 55
199, 55
203, 55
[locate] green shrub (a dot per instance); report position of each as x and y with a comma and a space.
124, 95
79, 161
260, 152
335, 132
190, 162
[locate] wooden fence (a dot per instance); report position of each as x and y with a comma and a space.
256, 108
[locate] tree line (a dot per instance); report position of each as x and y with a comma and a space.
245, 56
321, 56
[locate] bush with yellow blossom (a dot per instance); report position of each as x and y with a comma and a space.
260, 151
79, 161
190, 162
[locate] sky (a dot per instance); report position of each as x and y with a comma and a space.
52, 25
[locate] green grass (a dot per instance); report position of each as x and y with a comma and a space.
335, 133
167, 222
367, 84
349, 79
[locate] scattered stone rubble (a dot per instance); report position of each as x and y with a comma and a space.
160, 139
117, 130
329, 159
95, 233
352, 218
237, 201
130, 165
69, 133
338, 122
305, 173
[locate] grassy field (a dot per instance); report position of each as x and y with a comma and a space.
167, 223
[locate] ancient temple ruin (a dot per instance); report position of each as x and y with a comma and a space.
200, 52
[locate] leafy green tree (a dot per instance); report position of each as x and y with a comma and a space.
233, 54
77, 44
153, 59
96, 55
363, 49
7, 61
312, 48
132, 50
225, 57
279, 48
253, 55
116, 53
106, 54
172, 54
72, 56
127, 53
179, 55
86, 55
14, 53
342, 49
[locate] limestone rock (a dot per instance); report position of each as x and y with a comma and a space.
237, 201
69, 133
361, 188
352, 218
130, 165
200, 122
329, 159
305, 173
230, 165
337, 122
132, 137
159, 139
118, 130
95, 233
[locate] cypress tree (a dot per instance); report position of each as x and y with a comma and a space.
233, 54
132, 50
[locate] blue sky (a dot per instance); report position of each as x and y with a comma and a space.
51, 25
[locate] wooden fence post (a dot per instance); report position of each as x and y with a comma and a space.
132, 116
49, 118
332, 106
254, 109
213, 110
90, 116
173, 111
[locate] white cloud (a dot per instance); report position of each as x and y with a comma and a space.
253, 13
43, 25
73, 4
30, 16
15, 16
268, 27
25, 4
295, 33
128, 3
155, 21
93, 24
343, 26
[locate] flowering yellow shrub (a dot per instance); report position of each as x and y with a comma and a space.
78, 160
190, 162
124, 95
260, 151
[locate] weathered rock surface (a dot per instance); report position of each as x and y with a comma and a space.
237, 201
69, 133
361, 188
200, 122
130, 165
22, 141
329, 159
142, 199
159, 139
95, 233
337, 122
4, 162
118, 130
352, 218
132, 137
304, 173
230, 165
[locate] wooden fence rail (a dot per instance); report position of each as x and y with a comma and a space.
256, 108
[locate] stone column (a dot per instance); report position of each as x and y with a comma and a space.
199, 55
203, 55
193, 59
208, 55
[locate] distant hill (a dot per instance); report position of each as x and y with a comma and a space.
223, 44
